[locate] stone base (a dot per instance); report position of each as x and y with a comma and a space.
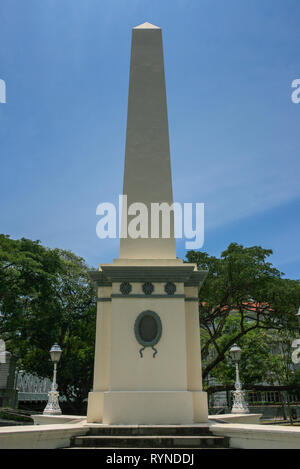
41, 419
244, 436
40, 436
147, 407
236, 418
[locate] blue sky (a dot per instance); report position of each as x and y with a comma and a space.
234, 131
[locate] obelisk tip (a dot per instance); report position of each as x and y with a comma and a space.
146, 26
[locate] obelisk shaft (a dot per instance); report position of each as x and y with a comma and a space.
147, 173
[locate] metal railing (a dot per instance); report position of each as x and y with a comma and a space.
31, 387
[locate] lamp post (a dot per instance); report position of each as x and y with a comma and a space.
239, 403
52, 407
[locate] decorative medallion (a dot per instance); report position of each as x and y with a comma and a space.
148, 288
170, 288
148, 329
125, 288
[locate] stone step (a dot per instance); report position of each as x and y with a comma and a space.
110, 448
150, 441
145, 430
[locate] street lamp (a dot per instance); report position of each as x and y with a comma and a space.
239, 403
52, 407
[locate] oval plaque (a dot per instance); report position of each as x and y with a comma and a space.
148, 330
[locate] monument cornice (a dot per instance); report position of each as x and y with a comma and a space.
184, 274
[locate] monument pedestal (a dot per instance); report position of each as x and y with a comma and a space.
148, 407
148, 372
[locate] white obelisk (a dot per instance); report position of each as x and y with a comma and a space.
147, 174
147, 358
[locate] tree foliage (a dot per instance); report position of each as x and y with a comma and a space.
46, 296
265, 359
244, 283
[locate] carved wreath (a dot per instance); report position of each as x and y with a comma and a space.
148, 288
125, 288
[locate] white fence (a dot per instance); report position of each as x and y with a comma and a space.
31, 387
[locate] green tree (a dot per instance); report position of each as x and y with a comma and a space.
243, 283
46, 296
77, 306
265, 364
265, 359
